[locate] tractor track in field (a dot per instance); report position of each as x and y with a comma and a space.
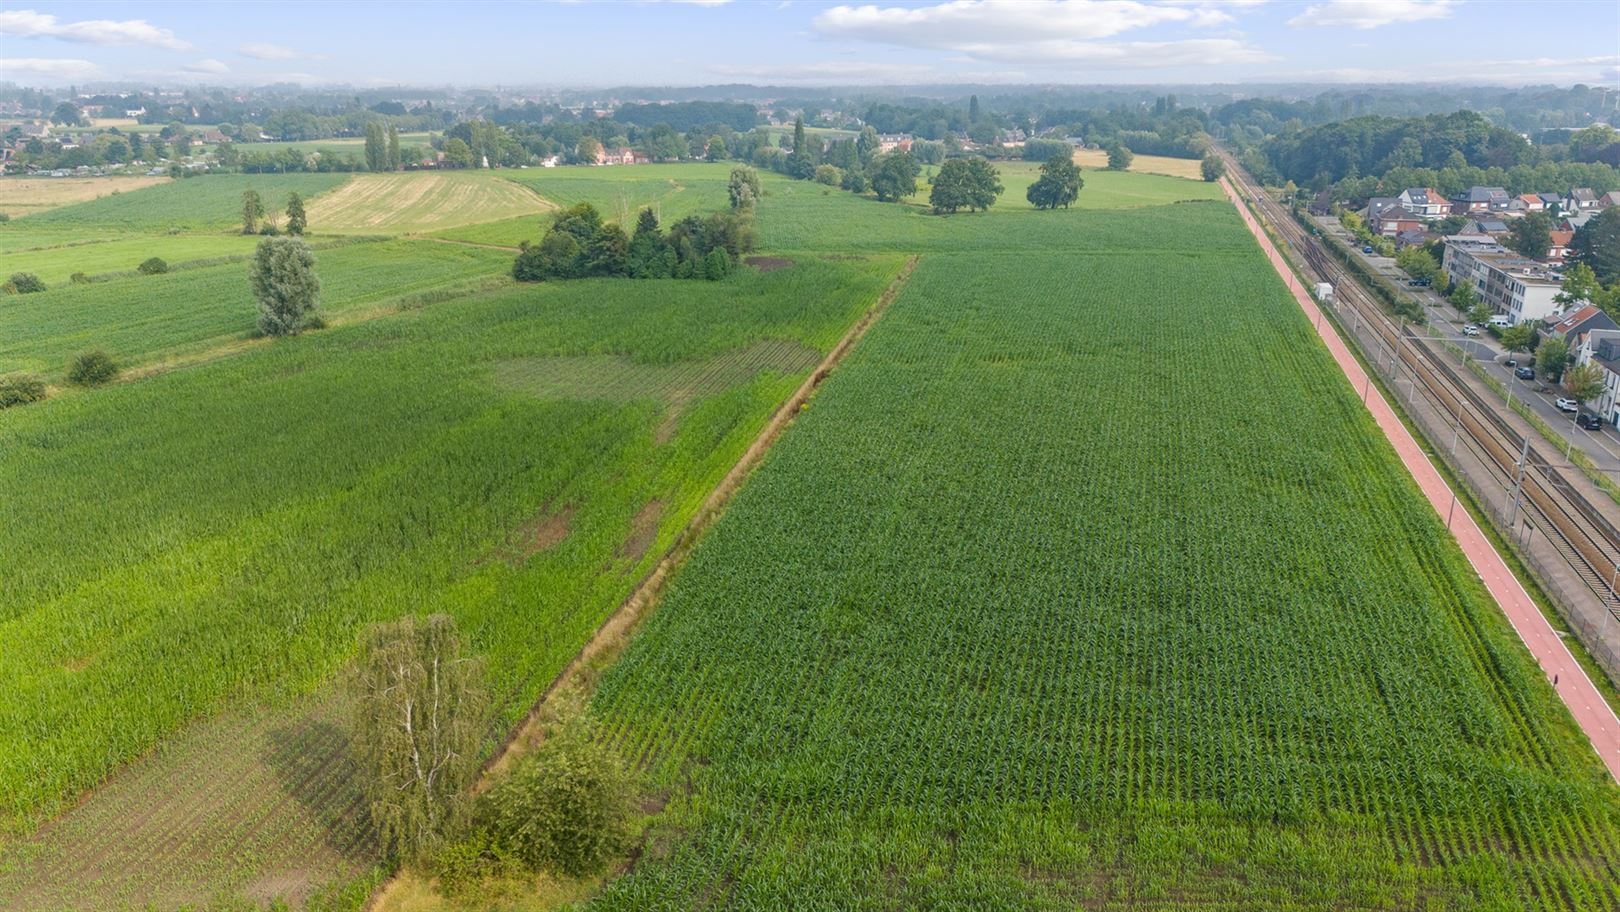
1569, 680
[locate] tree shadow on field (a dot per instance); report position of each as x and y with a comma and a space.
315, 767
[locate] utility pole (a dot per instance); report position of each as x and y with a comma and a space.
1518, 483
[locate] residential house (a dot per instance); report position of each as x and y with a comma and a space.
1552, 201
1575, 220
1559, 250
135, 112
1487, 226
1425, 203
1379, 204
1612, 198
1518, 288
1578, 321
621, 155
1602, 348
1322, 203
1581, 199
213, 137
1528, 202
1392, 221
1475, 200
550, 161
35, 130
889, 142
1413, 237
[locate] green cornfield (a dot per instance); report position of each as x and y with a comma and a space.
1088, 583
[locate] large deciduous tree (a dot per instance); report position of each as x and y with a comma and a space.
284, 283
1058, 185
1552, 356
1213, 167
963, 183
1597, 244
1119, 157
1532, 235
1584, 382
743, 188
895, 176
416, 729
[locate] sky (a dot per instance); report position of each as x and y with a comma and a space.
888, 42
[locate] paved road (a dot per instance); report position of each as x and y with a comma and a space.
1601, 446
1586, 705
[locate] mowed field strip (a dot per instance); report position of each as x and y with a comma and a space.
421, 201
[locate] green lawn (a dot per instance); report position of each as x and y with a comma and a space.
139, 318
203, 203
120, 254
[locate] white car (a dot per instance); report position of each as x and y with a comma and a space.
1567, 405
1470, 330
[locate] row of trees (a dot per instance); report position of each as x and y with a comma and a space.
255, 220
579, 244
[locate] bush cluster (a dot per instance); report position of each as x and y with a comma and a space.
568, 808
20, 389
580, 245
153, 266
92, 368
24, 283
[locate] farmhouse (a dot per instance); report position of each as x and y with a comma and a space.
889, 142
1507, 283
621, 155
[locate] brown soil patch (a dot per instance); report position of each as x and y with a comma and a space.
768, 264
643, 531
542, 533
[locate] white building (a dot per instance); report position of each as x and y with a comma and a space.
1508, 283
1602, 347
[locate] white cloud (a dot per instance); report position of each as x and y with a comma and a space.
47, 68
1044, 32
1366, 14
950, 25
827, 73
260, 50
31, 24
207, 65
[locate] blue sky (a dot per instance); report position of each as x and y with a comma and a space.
579, 44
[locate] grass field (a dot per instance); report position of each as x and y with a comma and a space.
1040, 606
349, 145
212, 539
140, 319
208, 202
21, 196
1143, 164
418, 201
120, 254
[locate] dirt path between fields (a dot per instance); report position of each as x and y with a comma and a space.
1569, 679
612, 635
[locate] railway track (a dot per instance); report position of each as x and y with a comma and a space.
1577, 529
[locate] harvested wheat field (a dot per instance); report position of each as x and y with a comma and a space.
1146, 164
420, 201
28, 195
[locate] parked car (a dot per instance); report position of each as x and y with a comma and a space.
1512, 362
1501, 321
1525, 373
1470, 330
1589, 421
1567, 405
1367, 249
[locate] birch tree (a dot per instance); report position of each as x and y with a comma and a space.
417, 726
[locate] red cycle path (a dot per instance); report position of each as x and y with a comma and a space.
1577, 691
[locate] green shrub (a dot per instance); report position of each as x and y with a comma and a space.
92, 368
79, 278
153, 266
25, 283
567, 807
20, 389
5, 217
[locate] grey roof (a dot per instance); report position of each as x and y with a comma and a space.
1582, 194
1482, 194
1379, 203
1551, 197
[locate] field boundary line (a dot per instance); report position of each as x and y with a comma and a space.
612, 634
1570, 681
